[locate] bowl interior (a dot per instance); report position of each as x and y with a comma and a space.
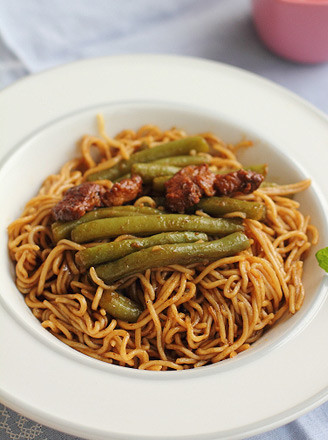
45, 151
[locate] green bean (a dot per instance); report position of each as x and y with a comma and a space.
266, 184
218, 206
183, 161
62, 230
153, 224
260, 169
120, 306
174, 161
118, 249
159, 183
175, 148
125, 176
169, 254
148, 171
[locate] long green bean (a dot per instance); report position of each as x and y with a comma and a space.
169, 254
158, 184
183, 161
260, 168
218, 206
62, 230
266, 184
118, 249
125, 176
148, 171
120, 306
175, 148
173, 164
153, 224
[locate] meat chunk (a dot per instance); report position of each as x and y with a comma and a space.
189, 185
181, 193
186, 187
204, 178
78, 200
87, 196
123, 191
237, 182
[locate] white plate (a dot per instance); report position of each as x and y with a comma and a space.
284, 375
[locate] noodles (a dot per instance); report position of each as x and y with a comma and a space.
192, 316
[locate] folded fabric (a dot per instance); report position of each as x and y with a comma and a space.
43, 34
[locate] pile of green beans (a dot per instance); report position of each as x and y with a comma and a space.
124, 260
170, 254
116, 304
117, 249
164, 167
179, 239
176, 248
62, 230
175, 148
153, 224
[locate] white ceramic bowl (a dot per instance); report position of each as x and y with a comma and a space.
52, 146
80, 395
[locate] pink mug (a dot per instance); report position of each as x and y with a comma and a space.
294, 29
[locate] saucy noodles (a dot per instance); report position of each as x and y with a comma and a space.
190, 315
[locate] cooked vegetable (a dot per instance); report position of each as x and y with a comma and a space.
322, 257
148, 171
125, 176
260, 168
183, 161
120, 306
153, 224
170, 254
174, 161
62, 230
118, 249
218, 206
175, 148
159, 183
266, 184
